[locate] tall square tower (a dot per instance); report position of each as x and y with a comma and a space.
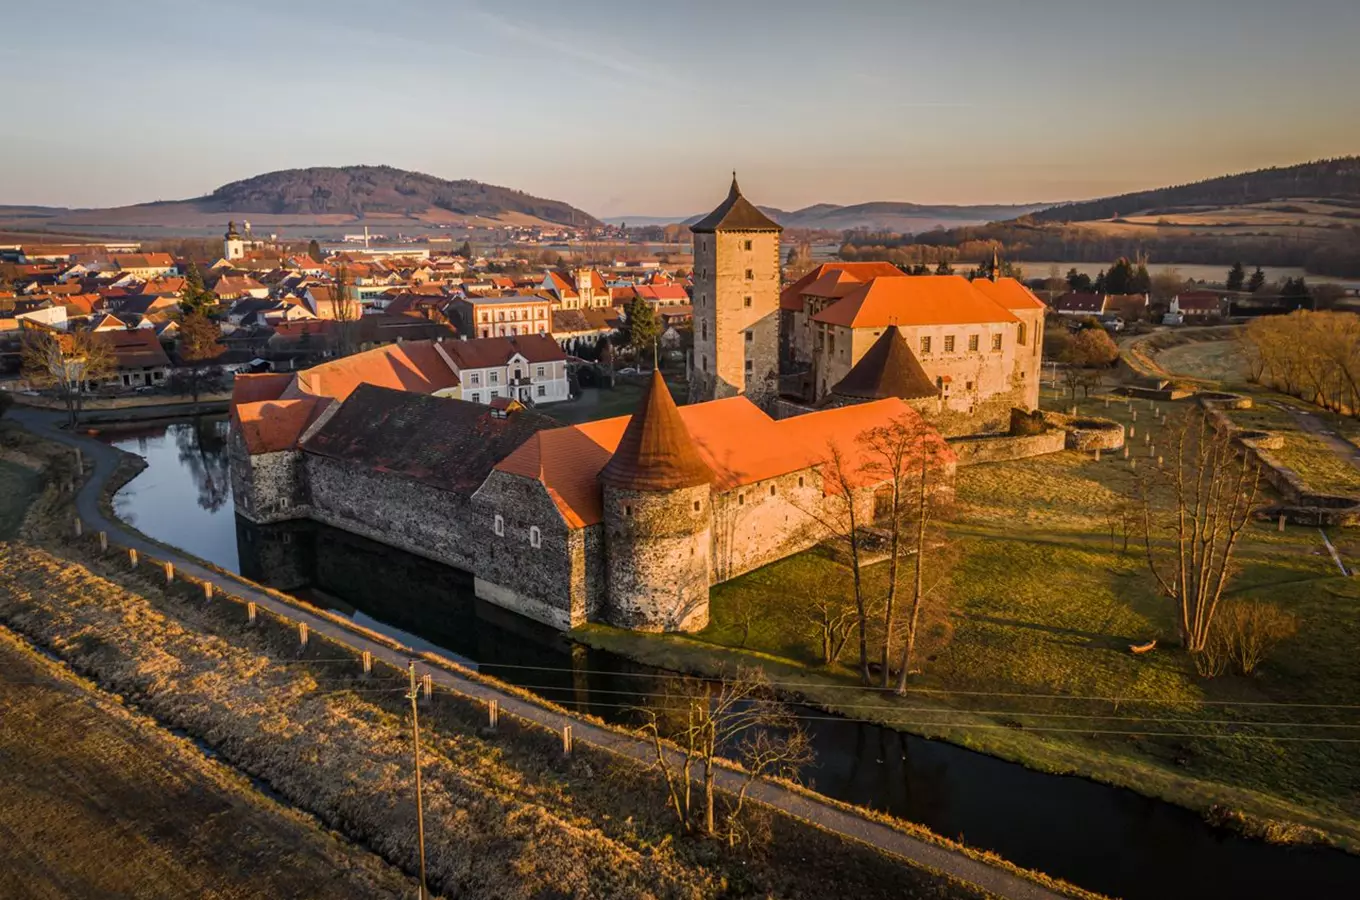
736, 302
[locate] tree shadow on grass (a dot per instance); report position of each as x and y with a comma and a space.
1092, 638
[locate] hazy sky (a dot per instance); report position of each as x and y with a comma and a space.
643, 108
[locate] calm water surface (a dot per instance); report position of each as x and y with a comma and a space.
1105, 839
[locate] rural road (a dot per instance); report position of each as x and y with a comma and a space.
821, 813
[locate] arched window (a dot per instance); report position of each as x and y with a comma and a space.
535, 536
499, 526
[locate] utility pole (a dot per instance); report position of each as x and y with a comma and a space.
415, 747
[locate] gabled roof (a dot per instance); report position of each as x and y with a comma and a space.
736, 213
449, 444
408, 366
484, 353
887, 369
792, 296
137, 349
1080, 303
738, 442
269, 426
656, 452
1009, 292
915, 300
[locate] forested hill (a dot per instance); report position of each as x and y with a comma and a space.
1324, 179
366, 190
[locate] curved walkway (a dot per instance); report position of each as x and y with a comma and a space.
821, 813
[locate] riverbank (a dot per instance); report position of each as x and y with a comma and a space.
826, 820
1030, 662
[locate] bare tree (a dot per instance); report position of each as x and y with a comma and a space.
842, 520
1194, 510
827, 608
345, 309
199, 351
907, 456
67, 364
697, 721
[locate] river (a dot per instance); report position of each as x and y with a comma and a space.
1105, 839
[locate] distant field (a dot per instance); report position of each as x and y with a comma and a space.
101, 803
1220, 361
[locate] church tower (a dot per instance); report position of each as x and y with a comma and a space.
736, 301
232, 245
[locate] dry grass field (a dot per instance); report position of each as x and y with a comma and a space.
506, 815
102, 802
1044, 602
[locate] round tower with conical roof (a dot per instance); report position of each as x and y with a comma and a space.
658, 522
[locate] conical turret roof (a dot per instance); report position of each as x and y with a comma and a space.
736, 213
656, 452
887, 369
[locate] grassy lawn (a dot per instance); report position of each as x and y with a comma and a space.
1216, 361
100, 802
1044, 608
605, 403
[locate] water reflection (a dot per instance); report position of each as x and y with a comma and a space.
1105, 839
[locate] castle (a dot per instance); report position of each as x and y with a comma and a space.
631, 520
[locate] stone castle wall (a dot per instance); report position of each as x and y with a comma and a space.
759, 523
267, 487
392, 509
658, 547
560, 581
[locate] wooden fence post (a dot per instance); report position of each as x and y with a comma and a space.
302, 635
1097, 454
1281, 525
250, 612
80, 527
132, 557
103, 542
493, 713
1126, 451
367, 659
427, 686
566, 739
207, 590
169, 572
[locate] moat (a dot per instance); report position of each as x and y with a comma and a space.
1105, 839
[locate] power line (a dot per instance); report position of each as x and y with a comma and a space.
941, 691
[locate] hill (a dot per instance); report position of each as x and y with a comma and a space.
1323, 179
888, 215
319, 197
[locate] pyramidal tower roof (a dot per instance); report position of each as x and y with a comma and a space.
887, 369
736, 213
656, 452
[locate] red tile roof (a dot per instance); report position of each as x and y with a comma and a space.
135, 349
792, 296
1009, 293
656, 452
484, 353
273, 425
408, 366
738, 442
914, 300
247, 388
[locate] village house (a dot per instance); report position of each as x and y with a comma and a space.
1075, 304
1194, 307
506, 316
139, 360
145, 266
530, 368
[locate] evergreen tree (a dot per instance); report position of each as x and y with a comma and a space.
465, 251
1295, 289
1078, 282
1237, 276
1119, 280
1257, 280
944, 268
1141, 282
195, 298
314, 250
644, 328
1101, 284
